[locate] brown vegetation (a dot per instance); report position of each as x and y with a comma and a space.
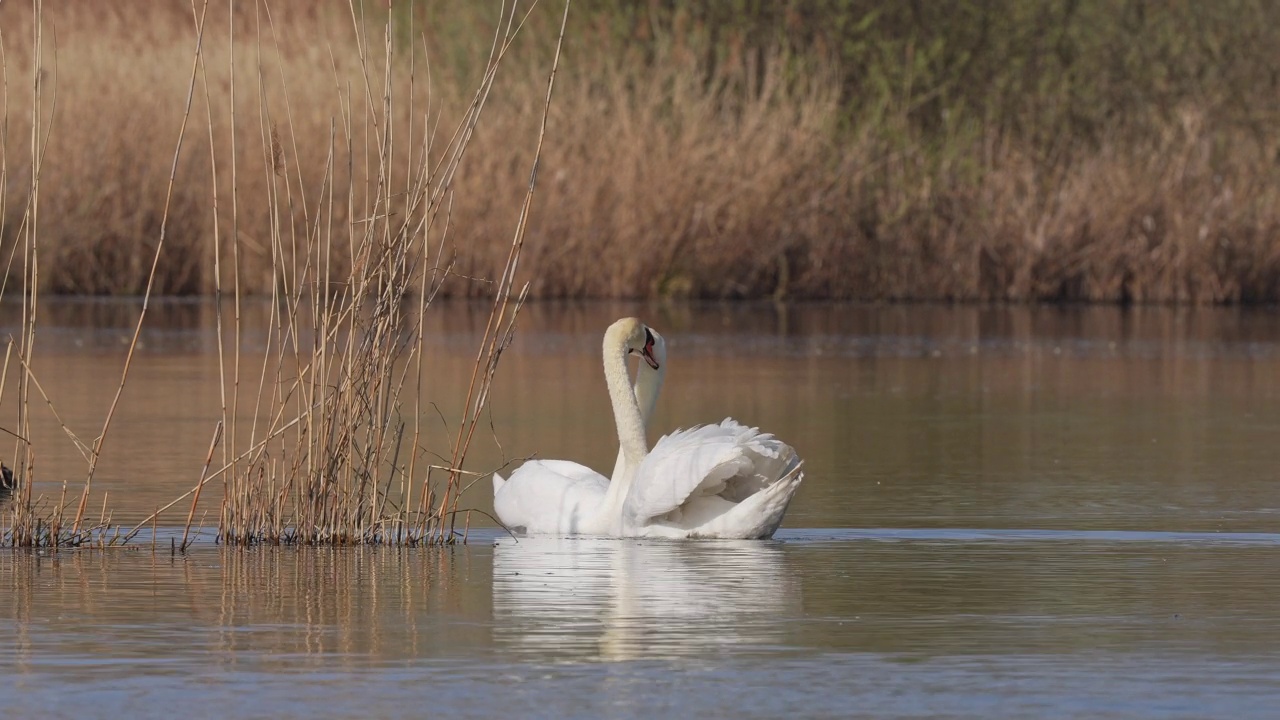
669, 170
320, 439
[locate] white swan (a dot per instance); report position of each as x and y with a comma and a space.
561, 497
714, 481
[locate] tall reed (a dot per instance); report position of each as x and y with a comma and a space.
321, 437
29, 521
333, 451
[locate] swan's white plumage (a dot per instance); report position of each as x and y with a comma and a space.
713, 481
698, 483
549, 497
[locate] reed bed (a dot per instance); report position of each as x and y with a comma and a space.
337, 453
1013, 151
320, 438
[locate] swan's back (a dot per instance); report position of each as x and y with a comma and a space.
548, 497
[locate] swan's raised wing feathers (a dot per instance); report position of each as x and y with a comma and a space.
729, 460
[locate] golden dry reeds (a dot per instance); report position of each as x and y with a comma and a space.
338, 203
335, 452
685, 169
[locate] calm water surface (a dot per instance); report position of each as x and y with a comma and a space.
1007, 513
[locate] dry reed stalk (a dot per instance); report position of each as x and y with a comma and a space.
35, 521
347, 336
204, 473
29, 528
151, 276
497, 336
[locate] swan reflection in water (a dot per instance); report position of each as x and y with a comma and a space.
586, 598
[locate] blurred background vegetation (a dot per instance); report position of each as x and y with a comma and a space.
1052, 72
975, 150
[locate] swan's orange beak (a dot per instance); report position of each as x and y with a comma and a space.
647, 353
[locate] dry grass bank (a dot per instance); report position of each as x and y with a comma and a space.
661, 177
115, 87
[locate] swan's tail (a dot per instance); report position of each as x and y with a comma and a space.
778, 497
759, 515
498, 482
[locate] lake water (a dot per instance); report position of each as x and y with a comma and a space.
1008, 512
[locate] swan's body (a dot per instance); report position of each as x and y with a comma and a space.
713, 481
550, 497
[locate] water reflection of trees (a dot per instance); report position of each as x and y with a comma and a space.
946, 597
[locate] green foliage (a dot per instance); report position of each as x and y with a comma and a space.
1052, 72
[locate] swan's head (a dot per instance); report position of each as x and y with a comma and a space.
634, 336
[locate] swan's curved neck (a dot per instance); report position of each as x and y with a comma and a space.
648, 387
632, 445
626, 409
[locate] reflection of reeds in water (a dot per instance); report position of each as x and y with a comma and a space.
358, 250
616, 600
226, 607
376, 601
